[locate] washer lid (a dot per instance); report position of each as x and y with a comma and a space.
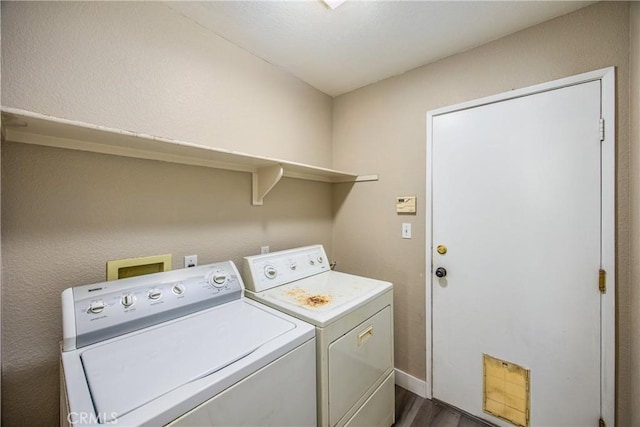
323, 298
127, 373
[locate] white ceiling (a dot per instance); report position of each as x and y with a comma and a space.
362, 42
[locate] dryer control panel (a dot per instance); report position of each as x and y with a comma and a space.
262, 272
94, 313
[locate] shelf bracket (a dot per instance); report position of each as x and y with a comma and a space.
263, 180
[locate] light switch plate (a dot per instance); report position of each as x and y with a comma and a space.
406, 230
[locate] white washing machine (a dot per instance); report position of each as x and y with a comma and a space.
353, 316
183, 347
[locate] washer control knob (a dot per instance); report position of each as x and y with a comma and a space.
270, 271
320, 259
178, 289
312, 262
293, 265
154, 294
218, 278
97, 307
128, 300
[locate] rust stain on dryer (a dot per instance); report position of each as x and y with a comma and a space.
308, 300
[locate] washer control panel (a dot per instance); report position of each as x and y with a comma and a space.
93, 313
262, 272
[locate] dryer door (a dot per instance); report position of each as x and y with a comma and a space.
357, 361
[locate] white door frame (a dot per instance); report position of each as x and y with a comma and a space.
607, 302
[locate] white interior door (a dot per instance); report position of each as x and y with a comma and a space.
515, 195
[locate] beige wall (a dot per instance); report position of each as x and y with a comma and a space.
381, 129
635, 213
65, 213
142, 67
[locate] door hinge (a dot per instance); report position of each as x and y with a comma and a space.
601, 128
602, 281
601, 423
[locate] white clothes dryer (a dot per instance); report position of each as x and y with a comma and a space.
353, 316
183, 348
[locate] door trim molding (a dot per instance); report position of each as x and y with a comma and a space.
607, 302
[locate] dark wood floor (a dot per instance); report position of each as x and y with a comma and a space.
414, 411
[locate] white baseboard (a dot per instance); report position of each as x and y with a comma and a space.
411, 383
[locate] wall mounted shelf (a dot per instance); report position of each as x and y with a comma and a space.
34, 128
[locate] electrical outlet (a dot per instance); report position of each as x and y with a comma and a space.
190, 261
264, 250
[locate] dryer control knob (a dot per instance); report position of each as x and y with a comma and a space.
293, 265
270, 271
320, 259
218, 278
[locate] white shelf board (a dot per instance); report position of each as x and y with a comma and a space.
34, 128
